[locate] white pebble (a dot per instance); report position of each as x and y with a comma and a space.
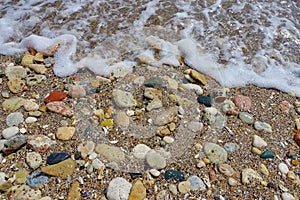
97, 164
283, 168
168, 139
154, 172
287, 196
30, 120
10, 132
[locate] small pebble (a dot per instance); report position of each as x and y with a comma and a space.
249, 176
231, 147
196, 183
287, 196
174, 175
14, 143
54, 158
36, 179
138, 191
155, 160
205, 100
30, 120
13, 103
153, 82
262, 126
62, 169
184, 187
24, 192
242, 102
40, 143
226, 169
65, 133
258, 142
154, 172
297, 138
123, 99
246, 117
86, 148
229, 108
34, 160
173, 189
55, 95
283, 168
30, 105
97, 164
111, 153
215, 153
60, 108
77, 91
267, 154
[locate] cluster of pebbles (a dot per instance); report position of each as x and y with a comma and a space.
157, 133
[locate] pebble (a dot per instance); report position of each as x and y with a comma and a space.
256, 150
16, 85
21, 176
60, 108
226, 169
231, 147
232, 181
36, 179
246, 117
14, 119
34, 160
36, 79
205, 100
198, 76
242, 102
172, 83
196, 183
140, 151
77, 91
297, 138
121, 119
55, 158
27, 59
119, 72
163, 195
168, 139
38, 68
13, 72
86, 148
173, 189
264, 169
154, 172
229, 107
153, 82
262, 126
97, 164
23, 192
154, 104
55, 95
152, 93
14, 143
30, 105
155, 160
210, 115
249, 175
40, 143
258, 142
123, 99
74, 192
215, 153
195, 126
267, 154
297, 123
35, 113
287, 196
283, 168
220, 122
30, 120
218, 95
62, 169
166, 116
111, 153
184, 187
10, 132
174, 175
65, 133
196, 88
118, 189
138, 191
13, 103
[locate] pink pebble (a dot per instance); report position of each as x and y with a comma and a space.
61, 108
242, 102
77, 91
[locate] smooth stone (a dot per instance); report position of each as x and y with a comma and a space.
196, 183
24, 192
166, 116
195, 126
121, 119
14, 143
35, 113
152, 93
74, 192
171, 83
263, 169
30, 120
283, 168
226, 169
40, 143
218, 95
173, 189
153, 82
259, 142
231, 147
38, 68
155, 160
15, 72
297, 123
62, 169
36, 79
256, 151
111, 153
168, 139
13, 103
36, 179
34, 160
174, 175
55, 158
97, 164
21, 176
220, 122
65, 133
215, 153
249, 175
210, 115
10, 132
2, 142
198, 76
138, 191
30, 105
77, 91
140, 151
86, 148
246, 117
262, 126
107, 123
118, 189
242, 102
184, 187
154, 172
287, 196
205, 100
154, 104
267, 154
60, 108
123, 99
55, 95
229, 107
14, 119
232, 181
27, 59
194, 87
16, 85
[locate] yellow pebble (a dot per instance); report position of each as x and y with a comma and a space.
206, 161
107, 123
43, 109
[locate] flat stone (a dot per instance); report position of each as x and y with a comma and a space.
118, 189
153, 82
184, 187
14, 143
242, 102
86, 148
14, 119
262, 126
98, 164
16, 85
60, 108
10, 132
65, 133
155, 160
30, 105
21, 176
168, 139
226, 169
15, 72
13, 103
263, 169
35, 113
138, 191
194, 87
119, 72
220, 122
166, 116
174, 175
249, 176
55, 95
246, 117
27, 59
121, 119
111, 153
35, 79
123, 99
210, 115
198, 76
154, 104
140, 151
259, 142
196, 183
34, 160
57, 157
23, 192
38, 68
154, 172
62, 169
77, 91
215, 153
40, 143
74, 192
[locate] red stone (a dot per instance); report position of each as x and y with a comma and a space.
297, 138
242, 102
55, 95
60, 108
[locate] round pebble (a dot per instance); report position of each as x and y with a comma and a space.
258, 142
155, 160
168, 139
283, 168
14, 119
30, 120
118, 188
287, 196
262, 126
30, 105
10, 132
246, 117
249, 175
242, 102
34, 160
215, 153
196, 183
154, 172
184, 187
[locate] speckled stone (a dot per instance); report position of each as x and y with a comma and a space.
249, 175
174, 175
229, 107
196, 183
60, 108
123, 99
13, 103
155, 160
111, 153
23, 192
40, 143
62, 169
262, 126
152, 93
34, 160
13, 144
30, 105
242, 102
118, 189
35, 79
215, 153
13, 72
226, 169
21, 176
74, 192
14, 119
36, 179
246, 117
16, 85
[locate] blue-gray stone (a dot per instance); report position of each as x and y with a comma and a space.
246, 117
57, 157
174, 175
196, 183
267, 154
14, 119
206, 100
153, 81
14, 143
231, 147
36, 179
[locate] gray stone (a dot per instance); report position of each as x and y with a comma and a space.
166, 116
155, 160
231, 147
10, 132
196, 183
262, 126
14, 144
195, 126
14, 119
246, 117
220, 122
215, 153
140, 151
118, 189
121, 119
283, 168
111, 153
123, 99
287, 196
154, 104
97, 164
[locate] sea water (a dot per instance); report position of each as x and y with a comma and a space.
237, 42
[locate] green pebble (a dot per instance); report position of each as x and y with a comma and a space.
267, 154
154, 81
174, 175
206, 100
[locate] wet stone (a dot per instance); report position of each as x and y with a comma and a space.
34, 160
242, 102
166, 116
10, 132
14, 119
198, 76
54, 158
267, 154
111, 153
13, 103
55, 95
215, 153
14, 144
153, 82
77, 91
62, 169
174, 175
123, 99
190, 86
155, 160
262, 126
205, 100
196, 183
36, 179
118, 189
246, 117
60, 108
40, 143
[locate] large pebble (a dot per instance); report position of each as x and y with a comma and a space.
10, 132
174, 175
166, 116
34, 160
196, 183
215, 153
155, 160
36, 179
13, 103
123, 99
140, 151
65, 133
21, 176
35, 79
55, 95
77, 91
111, 153
14, 119
198, 76
249, 175
38, 68
246, 117
258, 142
14, 72
62, 169
40, 143
118, 189
57, 157
14, 144
23, 192
242, 102
86, 148
61, 108
262, 126
138, 191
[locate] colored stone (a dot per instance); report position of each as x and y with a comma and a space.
174, 175
267, 154
205, 100
297, 138
77, 91
14, 144
60, 108
65, 133
62, 169
215, 153
153, 82
57, 157
107, 123
111, 153
242, 102
138, 191
36, 179
13, 103
55, 95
